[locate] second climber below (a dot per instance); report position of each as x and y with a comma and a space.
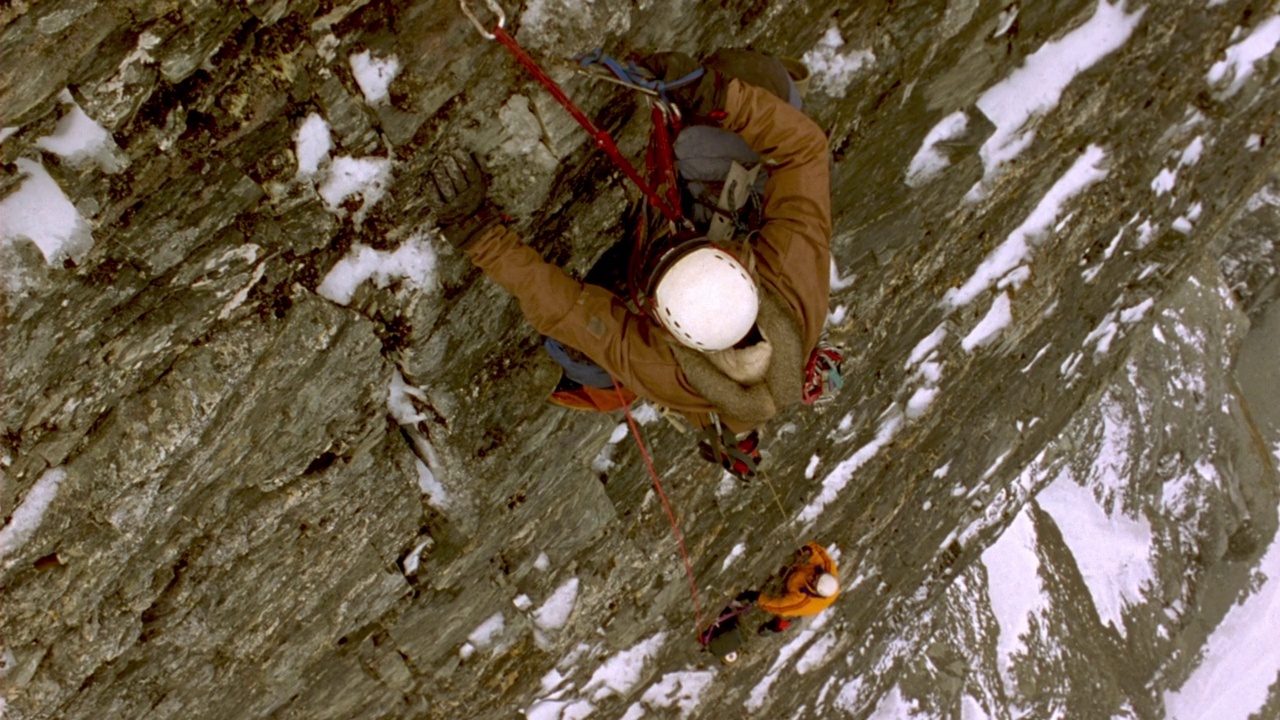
810, 585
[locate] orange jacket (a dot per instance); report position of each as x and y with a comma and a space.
801, 598
792, 256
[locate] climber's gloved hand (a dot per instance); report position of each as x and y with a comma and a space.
700, 92
748, 596
455, 192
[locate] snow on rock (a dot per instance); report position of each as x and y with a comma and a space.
603, 461
840, 282
734, 554
554, 613
1238, 665
313, 145
622, 671
79, 139
40, 212
399, 400
1000, 266
645, 414
760, 693
414, 262
833, 71
1112, 550
999, 317
437, 497
29, 514
1231, 73
559, 710
812, 467
925, 347
838, 478
488, 631
374, 75
893, 706
682, 691
348, 177
1014, 586
1112, 323
1035, 88
929, 161
817, 654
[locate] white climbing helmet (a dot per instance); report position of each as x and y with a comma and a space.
827, 586
707, 299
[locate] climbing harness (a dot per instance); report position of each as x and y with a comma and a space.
720, 445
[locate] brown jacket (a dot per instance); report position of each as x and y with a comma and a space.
792, 260
801, 597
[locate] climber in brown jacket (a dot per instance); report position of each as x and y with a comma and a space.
743, 370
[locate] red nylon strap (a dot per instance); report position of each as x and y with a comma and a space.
602, 138
661, 158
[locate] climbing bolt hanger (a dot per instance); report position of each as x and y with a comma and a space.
603, 140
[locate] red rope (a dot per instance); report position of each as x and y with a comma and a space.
602, 138
675, 526
662, 166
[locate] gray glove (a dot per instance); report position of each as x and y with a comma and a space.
455, 191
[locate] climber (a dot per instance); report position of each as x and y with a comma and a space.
811, 585
733, 325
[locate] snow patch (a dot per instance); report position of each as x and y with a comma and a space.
929, 161
486, 632
79, 139
1035, 88
554, 613
999, 317
734, 554
374, 75
40, 212
1231, 73
1112, 551
682, 691
414, 261
350, 177
838, 281
399, 400
833, 71
926, 347
1237, 666
312, 145
837, 479
1014, 587
812, 467
1017, 248
621, 672
29, 513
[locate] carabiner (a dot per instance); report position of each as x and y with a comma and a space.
494, 7
668, 110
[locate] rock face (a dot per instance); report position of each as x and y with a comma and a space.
244, 475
